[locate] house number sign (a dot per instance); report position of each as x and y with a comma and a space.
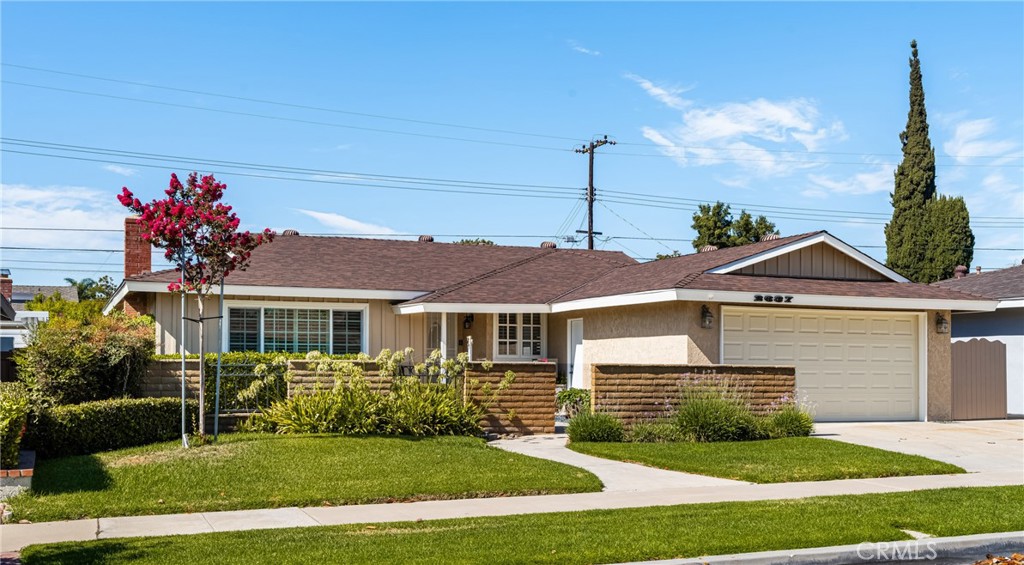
772, 298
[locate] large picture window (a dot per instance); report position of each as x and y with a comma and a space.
520, 335
295, 330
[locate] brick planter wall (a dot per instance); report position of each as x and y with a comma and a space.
530, 399
646, 392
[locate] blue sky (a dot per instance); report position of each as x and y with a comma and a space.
784, 109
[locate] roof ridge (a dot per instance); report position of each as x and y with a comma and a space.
604, 257
685, 281
591, 281
505, 268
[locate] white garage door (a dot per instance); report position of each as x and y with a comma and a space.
849, 365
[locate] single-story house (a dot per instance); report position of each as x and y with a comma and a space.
866, 343
15, 321
1005, 324
22, 293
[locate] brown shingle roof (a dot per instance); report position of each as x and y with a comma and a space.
377, 264
1004, 283
670, 273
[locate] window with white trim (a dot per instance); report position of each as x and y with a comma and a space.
295, 330
520, 335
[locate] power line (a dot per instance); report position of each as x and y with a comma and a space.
449, 124
453, 138
605, 206
426, 184
297, 106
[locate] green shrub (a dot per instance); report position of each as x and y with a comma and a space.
715, 410
428, 409
655, 432
14, 408
596, 427
84, 311
574, 401
790, 421
103, 425
68, 361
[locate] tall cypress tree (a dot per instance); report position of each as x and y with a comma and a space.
905, 235
950, 239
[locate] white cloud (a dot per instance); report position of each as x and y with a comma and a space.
878, 180
971, 142
763, 137
345, 224
667, 95
118, 169
581, 49
64, 207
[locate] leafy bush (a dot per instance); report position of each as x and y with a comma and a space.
68, 361
437, 406
573, 401
14, 407
103, 425
595, 427
85, 311
715, 410
655, 432
789, 421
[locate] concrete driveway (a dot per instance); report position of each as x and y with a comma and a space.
977, 446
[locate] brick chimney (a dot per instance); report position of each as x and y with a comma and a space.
6, 284
138, 257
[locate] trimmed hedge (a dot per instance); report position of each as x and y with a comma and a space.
90, 427
596, 427
14, 408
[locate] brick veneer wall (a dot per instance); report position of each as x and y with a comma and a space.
646, 392
530, 399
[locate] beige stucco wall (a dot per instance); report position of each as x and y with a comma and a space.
662, 333
385, 329
940, 369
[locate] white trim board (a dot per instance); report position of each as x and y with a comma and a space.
826, 238
799, 300
471, 308
272, 291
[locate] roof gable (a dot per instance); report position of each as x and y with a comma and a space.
819, 256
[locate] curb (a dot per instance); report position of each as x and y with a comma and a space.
925, 550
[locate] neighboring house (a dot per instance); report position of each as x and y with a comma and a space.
1005, 324
865, 342
16, 322
22, 293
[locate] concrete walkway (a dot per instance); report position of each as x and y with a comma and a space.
616, 475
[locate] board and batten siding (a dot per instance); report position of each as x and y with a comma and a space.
386, 329
820, 261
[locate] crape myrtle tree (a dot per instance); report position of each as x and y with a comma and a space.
199, 235
926, 237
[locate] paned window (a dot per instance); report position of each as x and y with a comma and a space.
520, 335
295, 330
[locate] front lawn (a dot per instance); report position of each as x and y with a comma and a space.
266, 471
597, 536
771, 461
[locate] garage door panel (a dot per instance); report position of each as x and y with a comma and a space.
850, 366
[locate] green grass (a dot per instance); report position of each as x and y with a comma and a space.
772, 461
266, 471
597, 536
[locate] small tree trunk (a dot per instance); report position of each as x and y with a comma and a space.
202, 370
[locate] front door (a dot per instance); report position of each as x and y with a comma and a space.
575, 376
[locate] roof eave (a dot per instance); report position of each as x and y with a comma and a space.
745, 297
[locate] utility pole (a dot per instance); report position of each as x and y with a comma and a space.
589, 150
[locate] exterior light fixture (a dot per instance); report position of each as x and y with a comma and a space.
467, 322
941, 324
706, 318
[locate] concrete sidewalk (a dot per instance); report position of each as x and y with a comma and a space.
13, 537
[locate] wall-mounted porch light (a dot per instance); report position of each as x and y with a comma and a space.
941, 324
467, 322
706, 318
